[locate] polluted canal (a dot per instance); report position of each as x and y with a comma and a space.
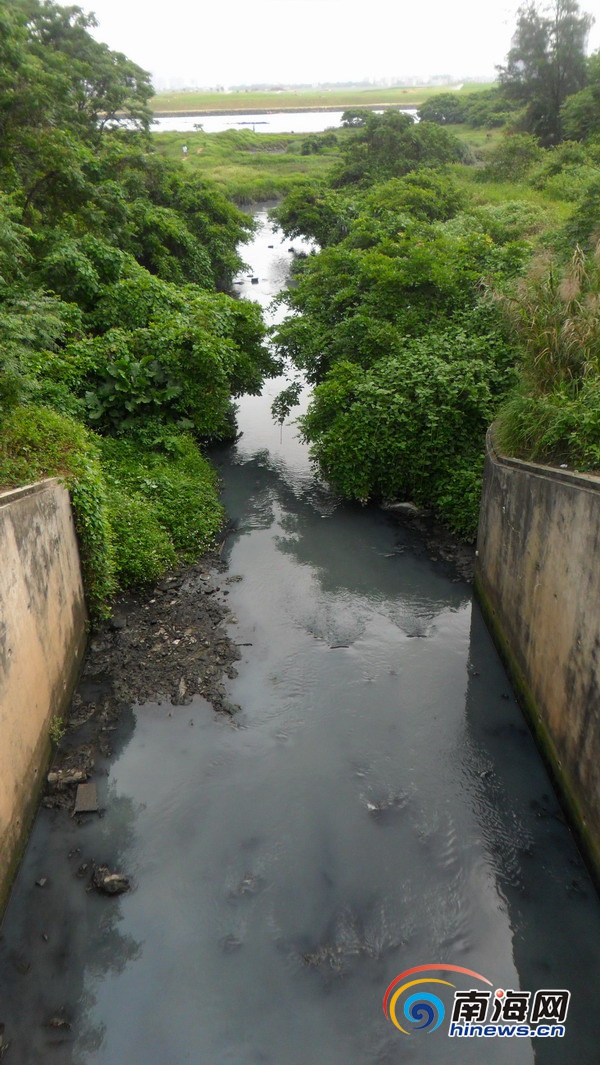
376, 804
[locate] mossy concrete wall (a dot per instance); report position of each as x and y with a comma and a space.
42, 641
538, 578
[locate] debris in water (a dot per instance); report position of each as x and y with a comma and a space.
110, 883
63, 778
403, 508
249, 885
86, 800
59, 1021
384, 810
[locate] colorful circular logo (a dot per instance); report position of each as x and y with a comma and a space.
422, 1011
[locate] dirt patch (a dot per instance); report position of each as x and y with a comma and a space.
166, 644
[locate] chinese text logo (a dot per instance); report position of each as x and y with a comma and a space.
474, 1012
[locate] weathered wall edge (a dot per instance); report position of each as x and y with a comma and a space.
538, 582
43, 624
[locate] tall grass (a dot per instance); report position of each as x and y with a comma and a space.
249, 167
554, 313
556, 316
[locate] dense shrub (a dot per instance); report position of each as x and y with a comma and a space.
445, 108
178, 495
410, 426
387, 145
35, 443
139, 505
512, 158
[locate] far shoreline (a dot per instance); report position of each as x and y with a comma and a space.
188, 113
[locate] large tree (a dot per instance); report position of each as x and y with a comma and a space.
546, 64
104, 86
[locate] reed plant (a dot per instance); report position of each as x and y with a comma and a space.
554, 315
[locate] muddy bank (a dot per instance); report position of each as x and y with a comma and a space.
442, 547
163, 645
438, 544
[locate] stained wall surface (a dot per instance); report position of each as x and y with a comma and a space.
42, 641
538, 576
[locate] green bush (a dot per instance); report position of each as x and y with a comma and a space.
36, 442
143, 549
382, 146
163, 501
584, 225
511, 220
488, 109
512, 158
139, 505
445, 108
190, 353
411, 426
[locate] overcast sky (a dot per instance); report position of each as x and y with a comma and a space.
209, 42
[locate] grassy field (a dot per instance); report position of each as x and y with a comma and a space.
249, 167
298, 99
253, 167
499, 193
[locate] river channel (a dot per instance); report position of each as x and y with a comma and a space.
261, 122
378, 805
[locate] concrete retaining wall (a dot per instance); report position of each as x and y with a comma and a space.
538, 578
42, 641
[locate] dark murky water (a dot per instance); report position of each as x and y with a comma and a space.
380, 806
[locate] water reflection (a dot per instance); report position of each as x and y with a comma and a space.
540, 877
274, 122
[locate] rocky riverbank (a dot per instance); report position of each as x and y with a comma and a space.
165, 644
438, 543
